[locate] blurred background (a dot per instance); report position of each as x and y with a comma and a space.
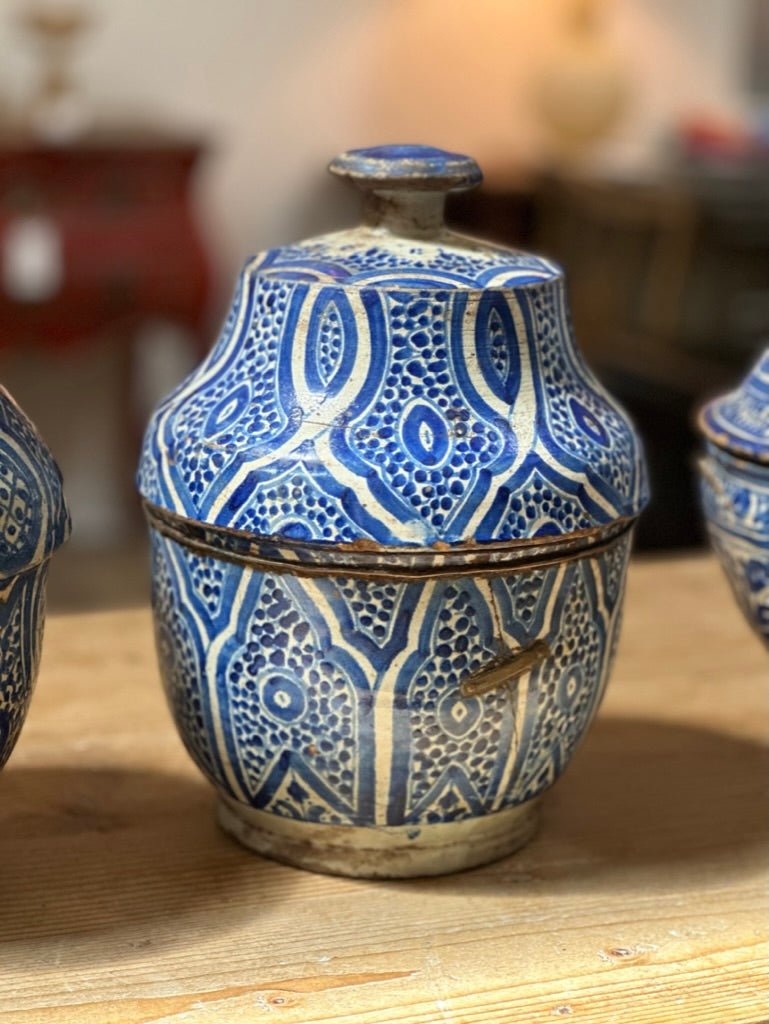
147, 148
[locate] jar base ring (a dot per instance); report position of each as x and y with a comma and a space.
402, 851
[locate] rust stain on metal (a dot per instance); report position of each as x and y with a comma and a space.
361, 544
396, 564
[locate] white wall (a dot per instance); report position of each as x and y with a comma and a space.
279, 86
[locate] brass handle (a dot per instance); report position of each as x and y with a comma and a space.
504, 670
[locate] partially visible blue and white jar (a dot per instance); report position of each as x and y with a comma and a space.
34, 521
391, 514
734, 484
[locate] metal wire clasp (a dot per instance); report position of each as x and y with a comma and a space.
503, 670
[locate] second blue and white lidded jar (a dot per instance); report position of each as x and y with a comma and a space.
391, 515
734, 486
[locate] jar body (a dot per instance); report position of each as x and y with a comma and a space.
22, 618
735, 499
328, 711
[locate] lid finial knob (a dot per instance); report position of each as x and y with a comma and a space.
405, 186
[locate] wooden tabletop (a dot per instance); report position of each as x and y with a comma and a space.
643, 899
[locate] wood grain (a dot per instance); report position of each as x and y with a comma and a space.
642, 900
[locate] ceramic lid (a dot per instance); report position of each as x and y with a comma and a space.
34, 519
395, 385
403, 242
738, 422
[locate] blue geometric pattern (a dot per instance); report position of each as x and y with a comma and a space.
739, 421
22, 615
404, 417
33, 522
34, 519
393, 166
337, 700
735, 497
403, 264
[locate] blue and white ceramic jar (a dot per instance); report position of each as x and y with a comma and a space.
734, 483
34, 521
390, 515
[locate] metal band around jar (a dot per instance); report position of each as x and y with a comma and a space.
374, 561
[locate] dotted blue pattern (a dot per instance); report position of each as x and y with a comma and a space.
384, 260
33, 522
22, 615
371, 388
309, 671
735, 497
739, 421
34, 519
401, 416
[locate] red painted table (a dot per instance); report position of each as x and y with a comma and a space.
97, 236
